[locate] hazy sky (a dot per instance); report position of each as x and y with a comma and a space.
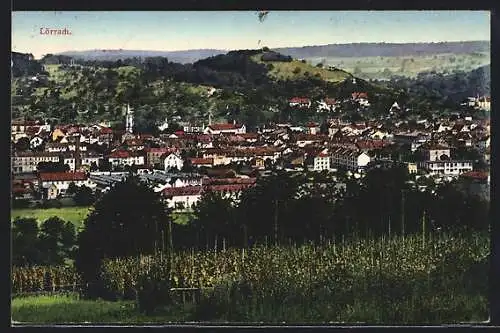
239, 29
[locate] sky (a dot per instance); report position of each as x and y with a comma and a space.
230, 30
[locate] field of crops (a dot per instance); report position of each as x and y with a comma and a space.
410, 280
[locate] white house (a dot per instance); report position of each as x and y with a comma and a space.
172, 160
350, 159
54, 184
35, 142
436, 153
321, 162
225, 129
182, 197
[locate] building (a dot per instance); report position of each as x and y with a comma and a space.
321, 162
350, 159
181, 198
25, 162
123, 157
225, 129
172, 160
54, 184
412, 168
361, 98
153, 155
436, 153
446, 167
129, 120
313, 128
300, 102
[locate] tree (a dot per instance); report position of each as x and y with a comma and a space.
72, 188
129, 220
214, 220
23, 144
265, 208
25, 242
57, 241
84, 196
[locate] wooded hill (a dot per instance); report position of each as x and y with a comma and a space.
241, 85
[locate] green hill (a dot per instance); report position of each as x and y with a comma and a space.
247, 84
296, 69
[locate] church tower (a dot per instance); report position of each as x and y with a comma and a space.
129, 120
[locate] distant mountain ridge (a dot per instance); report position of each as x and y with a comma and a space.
386, 49
330, 50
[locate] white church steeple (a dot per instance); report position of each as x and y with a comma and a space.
129, 120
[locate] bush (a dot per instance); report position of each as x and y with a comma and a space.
21, 203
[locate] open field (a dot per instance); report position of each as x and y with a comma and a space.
75, 215
374, 67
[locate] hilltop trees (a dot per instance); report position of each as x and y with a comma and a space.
128, 220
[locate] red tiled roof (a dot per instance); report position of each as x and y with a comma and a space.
311, 124
322, 155
178, 191
220, 127
481, 175
359, 95
300, 100
120, 154
249, 135
160, 150
105, 130
200, 161
63, 176
371, 144
228, 188
330, 101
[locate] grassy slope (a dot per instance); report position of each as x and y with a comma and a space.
285, 70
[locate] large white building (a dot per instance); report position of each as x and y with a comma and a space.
447, 168
350, 159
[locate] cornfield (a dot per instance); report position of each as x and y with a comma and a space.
44, 278
391, 279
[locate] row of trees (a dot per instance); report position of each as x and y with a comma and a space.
50, 243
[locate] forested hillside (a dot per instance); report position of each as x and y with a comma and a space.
241, 85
